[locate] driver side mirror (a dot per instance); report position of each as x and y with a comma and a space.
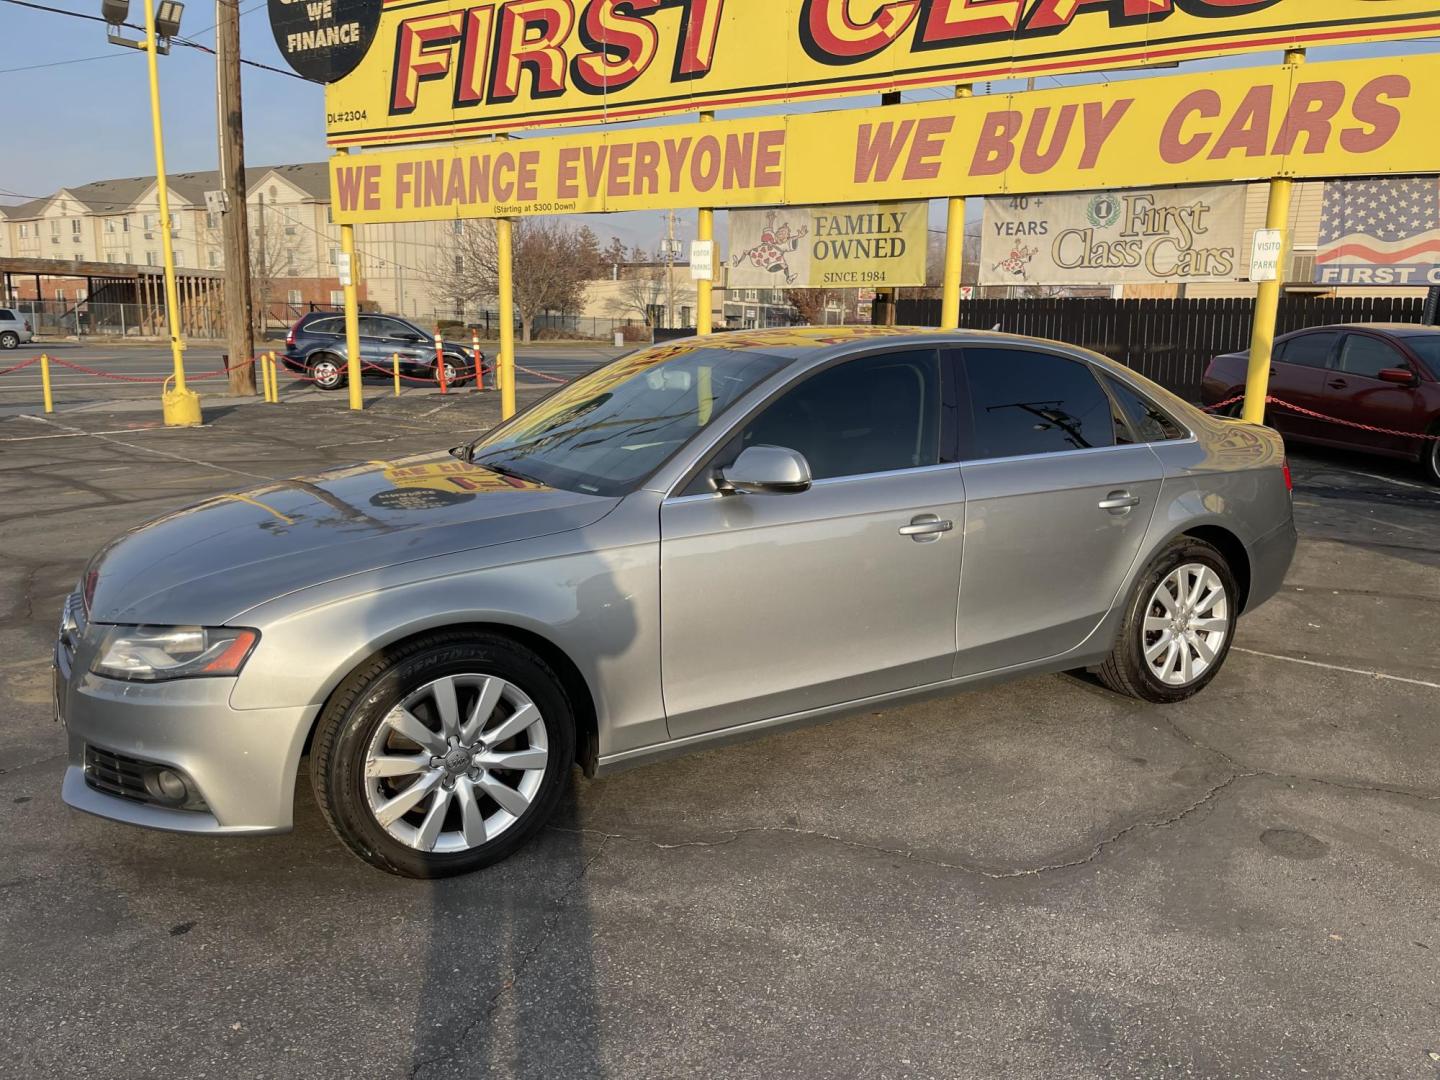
766, 470
1399, 376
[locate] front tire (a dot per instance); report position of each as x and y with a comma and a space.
9, 340
1430, 457
1178, 627
443, 754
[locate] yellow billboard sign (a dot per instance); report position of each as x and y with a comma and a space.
1352, 118
446, 69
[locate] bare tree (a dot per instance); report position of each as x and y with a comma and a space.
278, 251
552, 261
643, 292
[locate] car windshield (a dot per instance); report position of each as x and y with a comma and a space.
606, 433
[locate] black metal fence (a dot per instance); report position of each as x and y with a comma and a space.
1170, 341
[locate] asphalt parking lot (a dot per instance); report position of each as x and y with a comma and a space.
1034, 880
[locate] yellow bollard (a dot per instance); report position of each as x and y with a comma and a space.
272, 380
395, 366
45, 382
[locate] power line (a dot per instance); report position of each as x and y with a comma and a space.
185, 41
62, 63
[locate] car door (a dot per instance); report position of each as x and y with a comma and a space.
777, 604
398, 339
1056, 506
1354, 392
1298, 374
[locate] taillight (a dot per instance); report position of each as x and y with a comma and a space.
1289, 483
28, 327
290, 338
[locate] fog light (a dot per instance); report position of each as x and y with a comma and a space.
168, 786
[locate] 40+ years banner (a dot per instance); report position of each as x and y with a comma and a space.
861, 245
1114, 237
405, 71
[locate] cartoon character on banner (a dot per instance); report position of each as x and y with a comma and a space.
776, 244
1018, 264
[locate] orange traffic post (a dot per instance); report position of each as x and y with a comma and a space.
395, 367
45, 382
475, 351
440, 362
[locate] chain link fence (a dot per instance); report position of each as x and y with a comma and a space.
81, 319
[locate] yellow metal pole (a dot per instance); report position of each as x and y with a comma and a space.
395, 366
1267, 299
352, 316
180, 407
704, 288
505, 371
272, 380
954, 250
45, 382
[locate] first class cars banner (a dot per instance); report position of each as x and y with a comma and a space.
1350, 118
417, 70
1114, 237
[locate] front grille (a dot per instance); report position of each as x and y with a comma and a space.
116, 774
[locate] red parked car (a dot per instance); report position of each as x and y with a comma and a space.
1384, 375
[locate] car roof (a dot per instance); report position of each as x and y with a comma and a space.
1394, 329
801, 342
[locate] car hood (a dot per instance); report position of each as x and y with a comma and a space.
207, 563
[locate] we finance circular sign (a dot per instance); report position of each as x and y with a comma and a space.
324, 40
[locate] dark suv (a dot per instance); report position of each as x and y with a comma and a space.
315, 348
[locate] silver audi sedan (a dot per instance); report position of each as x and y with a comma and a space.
706, 538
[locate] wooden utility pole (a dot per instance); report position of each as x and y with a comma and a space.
235, 224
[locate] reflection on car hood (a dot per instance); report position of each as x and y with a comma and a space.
208, 562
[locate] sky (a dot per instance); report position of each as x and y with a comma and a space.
76, 108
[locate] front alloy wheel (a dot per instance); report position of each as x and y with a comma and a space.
444, 753
456, 763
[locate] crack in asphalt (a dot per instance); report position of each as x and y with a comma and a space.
517, 969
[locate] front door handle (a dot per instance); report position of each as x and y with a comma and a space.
1120, 500
926, 529
1338, 384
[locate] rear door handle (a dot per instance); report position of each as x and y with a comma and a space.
1120, 500
1338, 384
926, 529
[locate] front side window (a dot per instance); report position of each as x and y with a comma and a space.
1308, 350
1428, 349
1024, 403
1367, 356
606, 433
876, 414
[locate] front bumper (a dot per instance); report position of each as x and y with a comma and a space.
242, 761
1270, 559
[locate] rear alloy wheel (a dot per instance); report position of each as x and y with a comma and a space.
444, 756
9, 340
1178, 629
327, 372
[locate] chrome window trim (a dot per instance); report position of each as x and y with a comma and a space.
1087, 451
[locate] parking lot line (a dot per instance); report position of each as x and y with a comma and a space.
1337, 667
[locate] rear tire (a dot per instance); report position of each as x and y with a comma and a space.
487, 777
1178, 626
9, 340
1430, 457
327, 371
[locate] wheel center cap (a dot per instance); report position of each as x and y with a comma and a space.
456, 761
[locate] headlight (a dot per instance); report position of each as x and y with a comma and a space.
155, 653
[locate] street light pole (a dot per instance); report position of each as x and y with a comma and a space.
181, 407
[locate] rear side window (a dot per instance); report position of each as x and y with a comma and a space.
326, 326
1024, 403
7, 315
1367, 356
1149, 423
1308, 350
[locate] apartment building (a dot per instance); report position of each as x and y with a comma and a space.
295, 244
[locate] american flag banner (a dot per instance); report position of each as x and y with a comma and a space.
1380, 232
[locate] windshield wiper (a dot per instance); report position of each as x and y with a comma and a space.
505, 470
